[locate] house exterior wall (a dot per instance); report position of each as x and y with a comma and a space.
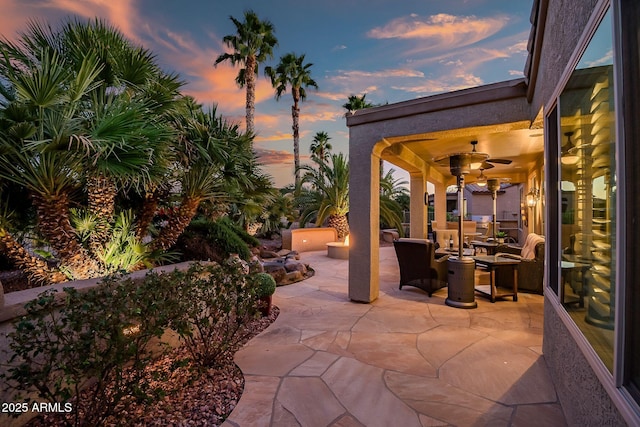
565, 22
584, 400
589, 393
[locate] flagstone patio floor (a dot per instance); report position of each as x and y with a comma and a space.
403, 360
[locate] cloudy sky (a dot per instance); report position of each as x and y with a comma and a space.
390, 50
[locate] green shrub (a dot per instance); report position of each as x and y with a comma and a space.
212, 306
264, 283
97, 341
223, 235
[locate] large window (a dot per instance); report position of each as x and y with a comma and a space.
593, 144
588, 194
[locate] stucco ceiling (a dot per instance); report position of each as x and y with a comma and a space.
515, 142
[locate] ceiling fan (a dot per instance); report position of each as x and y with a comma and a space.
463, 163
487, 164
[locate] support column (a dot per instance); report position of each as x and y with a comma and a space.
364, 222
440, 204
418, 206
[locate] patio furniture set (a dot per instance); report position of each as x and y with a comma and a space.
425, 264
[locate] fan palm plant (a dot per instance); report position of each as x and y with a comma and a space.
330, 199
94, 114
294, 73
252, 44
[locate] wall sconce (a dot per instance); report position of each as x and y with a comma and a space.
532, 197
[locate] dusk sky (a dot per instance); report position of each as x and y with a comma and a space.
390, 50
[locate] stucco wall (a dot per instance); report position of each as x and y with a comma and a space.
565, 22
584, 400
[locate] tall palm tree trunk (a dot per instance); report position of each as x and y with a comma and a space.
102, 194
295, 115
251, 91
177, 223
37, 270
55, 225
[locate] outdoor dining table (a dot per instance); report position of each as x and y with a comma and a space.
489, 247
440, 252
491, 263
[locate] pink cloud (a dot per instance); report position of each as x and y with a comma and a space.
276, 157
441, 31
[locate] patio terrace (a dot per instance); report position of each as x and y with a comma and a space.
405, 359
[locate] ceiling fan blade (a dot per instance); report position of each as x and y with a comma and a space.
501, 161
486, 165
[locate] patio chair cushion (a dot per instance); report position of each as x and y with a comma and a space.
529, 249
531, 267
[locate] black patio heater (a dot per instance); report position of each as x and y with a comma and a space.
461, 269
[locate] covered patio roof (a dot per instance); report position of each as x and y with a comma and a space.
411, 134
497, 116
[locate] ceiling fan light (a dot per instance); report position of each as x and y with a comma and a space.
482, 180
570, 159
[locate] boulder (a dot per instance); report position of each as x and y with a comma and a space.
294, 276
295, 266
265, 253
278, 272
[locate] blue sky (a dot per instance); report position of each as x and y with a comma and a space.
390, 50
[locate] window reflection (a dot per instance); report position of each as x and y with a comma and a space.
588, 194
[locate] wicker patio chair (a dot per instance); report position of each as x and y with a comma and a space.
418, 266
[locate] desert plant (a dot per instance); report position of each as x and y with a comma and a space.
223, 235
265, 287
214, 302
330, 199
94, 347
265, 284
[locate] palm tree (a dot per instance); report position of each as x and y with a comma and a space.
252, 44
355, 103
216, 163
92, 110
330, 200
293, 72
391, 189
320, 147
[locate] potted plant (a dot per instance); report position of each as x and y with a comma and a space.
265, 287
500, 236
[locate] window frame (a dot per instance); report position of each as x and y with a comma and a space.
626, 62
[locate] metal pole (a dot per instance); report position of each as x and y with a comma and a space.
460, 214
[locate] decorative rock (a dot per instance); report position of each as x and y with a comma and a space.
294, 276
268, 254
277, 272
286, 253
295, 266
